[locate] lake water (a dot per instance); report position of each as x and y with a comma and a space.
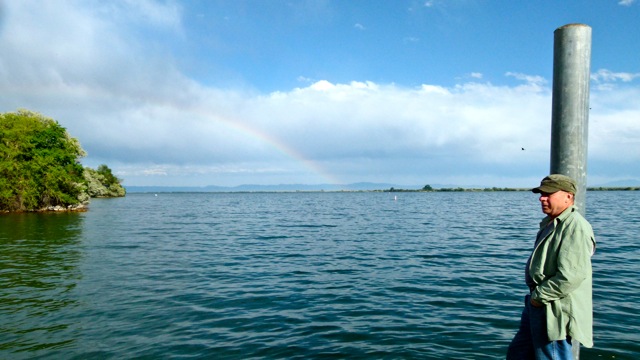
297, 276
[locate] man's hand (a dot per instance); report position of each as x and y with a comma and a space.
536, 304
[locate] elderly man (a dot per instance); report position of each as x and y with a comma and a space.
558, 273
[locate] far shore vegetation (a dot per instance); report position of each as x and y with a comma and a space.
40, 168
428, 188
170, 190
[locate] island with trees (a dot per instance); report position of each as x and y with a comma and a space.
40, 167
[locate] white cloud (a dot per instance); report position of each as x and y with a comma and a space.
359, 26
614, 130
154, 171
626, 2
605, 76
304, 79
322, 85
133, 109
531, 79
166, 14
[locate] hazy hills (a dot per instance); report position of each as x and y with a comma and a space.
361, 186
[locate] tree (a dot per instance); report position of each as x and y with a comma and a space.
39, 163
102, 182
427, 188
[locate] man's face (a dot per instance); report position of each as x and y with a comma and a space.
553, 204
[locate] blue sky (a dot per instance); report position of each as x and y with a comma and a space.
194, 93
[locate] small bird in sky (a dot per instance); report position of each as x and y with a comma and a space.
523, 149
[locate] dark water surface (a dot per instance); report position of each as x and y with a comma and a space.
297, 276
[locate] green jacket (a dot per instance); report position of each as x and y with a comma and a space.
561, 267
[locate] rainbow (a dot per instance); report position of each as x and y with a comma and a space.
274, 143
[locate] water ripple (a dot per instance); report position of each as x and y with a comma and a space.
296, 276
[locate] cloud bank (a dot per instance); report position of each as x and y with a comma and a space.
102, 72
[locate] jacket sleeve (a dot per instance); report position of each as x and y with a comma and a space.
574, 264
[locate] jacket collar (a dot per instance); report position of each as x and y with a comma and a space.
560, 218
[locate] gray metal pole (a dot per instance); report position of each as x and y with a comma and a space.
570, 105
570, 111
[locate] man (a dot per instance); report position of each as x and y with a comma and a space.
558, 273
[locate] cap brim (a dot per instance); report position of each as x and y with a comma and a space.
544, 189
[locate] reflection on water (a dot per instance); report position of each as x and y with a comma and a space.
39, 257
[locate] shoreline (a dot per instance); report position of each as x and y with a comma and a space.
197, 191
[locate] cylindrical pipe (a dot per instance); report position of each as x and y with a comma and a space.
570, 111
570, 105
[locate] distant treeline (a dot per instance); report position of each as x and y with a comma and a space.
601, 188
428, 188
40, 168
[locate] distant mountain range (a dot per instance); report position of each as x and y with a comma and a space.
362, 186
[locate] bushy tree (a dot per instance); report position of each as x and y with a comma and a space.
39, 163
102, 183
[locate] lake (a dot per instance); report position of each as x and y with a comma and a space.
298, 276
